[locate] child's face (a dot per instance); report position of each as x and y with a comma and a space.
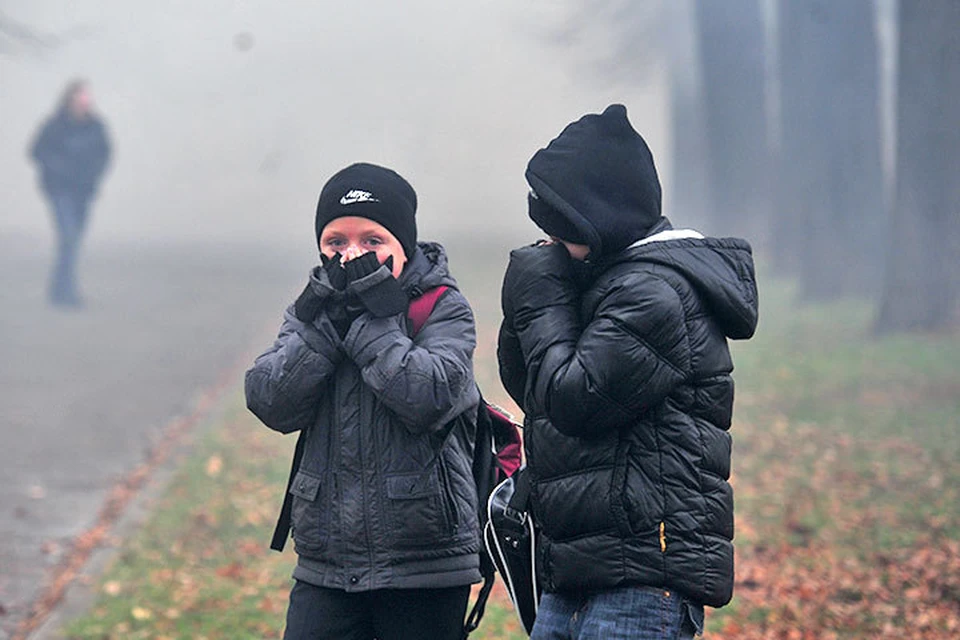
352, 236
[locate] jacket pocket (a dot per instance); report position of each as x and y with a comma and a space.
620, 503
449, 498
640, 487
418, 507
308, 517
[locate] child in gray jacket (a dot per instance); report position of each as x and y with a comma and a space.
381, 499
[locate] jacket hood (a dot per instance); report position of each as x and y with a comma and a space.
428, 268
596, 183
721, 271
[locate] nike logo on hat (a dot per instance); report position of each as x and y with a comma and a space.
356, 195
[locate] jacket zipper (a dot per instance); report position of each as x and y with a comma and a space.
364, 487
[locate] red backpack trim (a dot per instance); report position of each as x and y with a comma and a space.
506, 432
422, 306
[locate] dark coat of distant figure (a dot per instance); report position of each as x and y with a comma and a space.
71, 152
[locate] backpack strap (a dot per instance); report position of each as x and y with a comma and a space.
282, 531
483, 595
523, 485
422, 306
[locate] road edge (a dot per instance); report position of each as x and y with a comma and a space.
70, 591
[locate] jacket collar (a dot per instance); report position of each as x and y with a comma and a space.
668, 234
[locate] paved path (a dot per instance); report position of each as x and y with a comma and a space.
84, 394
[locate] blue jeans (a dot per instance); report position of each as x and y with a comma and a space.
629, 613
70, 217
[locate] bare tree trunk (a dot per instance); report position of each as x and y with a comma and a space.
830, 216
923, 279
689, 194
731, 51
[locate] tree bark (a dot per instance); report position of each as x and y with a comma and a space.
689, 193
731, 51
830, 217
922, 284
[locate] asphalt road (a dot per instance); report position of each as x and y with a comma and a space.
85, 393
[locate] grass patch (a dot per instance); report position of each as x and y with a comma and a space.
847, 469
199, 567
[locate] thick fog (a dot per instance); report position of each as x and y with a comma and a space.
228, 115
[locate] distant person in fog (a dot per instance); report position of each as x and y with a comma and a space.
71, 151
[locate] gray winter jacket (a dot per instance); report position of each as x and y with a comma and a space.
384, 496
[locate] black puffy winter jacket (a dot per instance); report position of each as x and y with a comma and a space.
628, 397
384, 497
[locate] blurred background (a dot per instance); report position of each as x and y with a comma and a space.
228, 116
827, 133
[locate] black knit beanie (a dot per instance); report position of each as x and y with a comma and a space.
595, 184
377, 193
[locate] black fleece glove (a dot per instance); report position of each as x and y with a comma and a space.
336, 274
538, 276
342, 315
308, 302
374, 285
311, 300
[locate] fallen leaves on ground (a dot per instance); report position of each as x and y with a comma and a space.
848, 520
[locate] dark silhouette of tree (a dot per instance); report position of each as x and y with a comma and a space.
922, 284
730, 38
689, 194
830, 217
